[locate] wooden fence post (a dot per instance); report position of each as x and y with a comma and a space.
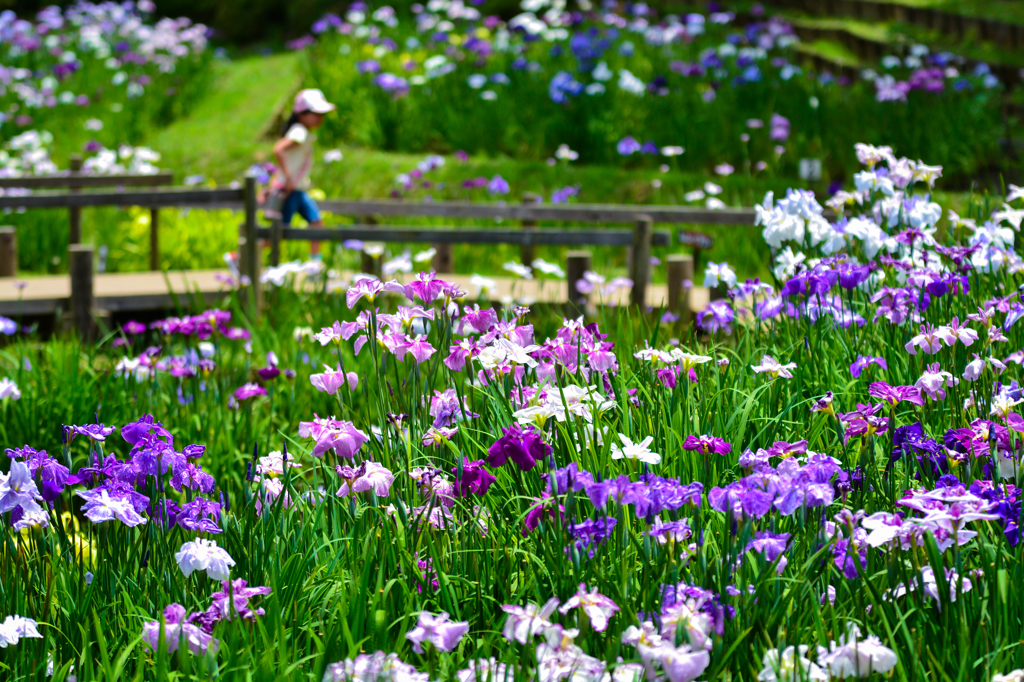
640, 268
154, 239
276, 232
444, 258
75, 212
368, 264
680, 267
8, 252
528, 252
576, 263
250, 247
80, 265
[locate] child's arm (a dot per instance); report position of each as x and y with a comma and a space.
280, 147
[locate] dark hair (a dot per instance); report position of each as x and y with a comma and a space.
292, 120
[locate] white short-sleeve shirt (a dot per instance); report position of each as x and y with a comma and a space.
299, 157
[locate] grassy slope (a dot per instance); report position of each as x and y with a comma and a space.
226, 133
1010, 11
222, 136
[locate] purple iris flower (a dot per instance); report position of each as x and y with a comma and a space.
770, 307
1006, 503
474, 479
863, 362
108, 503
707, 445
563, 86
542, 506
590, 534
523, 446
136, 431
498, 185
628, 145
810, 282
911, 440
19, 490
851, 276
154, 457
893, 395
571, 477
719, 315
769, 544
621, 490
97, 432
667, 494
249, 390
193, 516
192, 476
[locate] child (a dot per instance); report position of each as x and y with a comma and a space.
294, 153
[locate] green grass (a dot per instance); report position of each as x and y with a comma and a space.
1009, 11
897, 33
228, 130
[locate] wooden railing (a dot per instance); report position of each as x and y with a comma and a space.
638, 240
73, 181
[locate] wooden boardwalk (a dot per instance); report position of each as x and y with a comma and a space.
128, 292
151, 291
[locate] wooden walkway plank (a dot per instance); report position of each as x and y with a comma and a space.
139, 291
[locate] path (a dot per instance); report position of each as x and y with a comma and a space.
142, 291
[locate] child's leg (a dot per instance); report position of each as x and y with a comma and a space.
314, 247
311, 212
289, 207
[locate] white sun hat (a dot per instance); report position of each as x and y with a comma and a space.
312, 100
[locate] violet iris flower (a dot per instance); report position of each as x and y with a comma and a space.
627, 145
330, 380
425, 287
719, 315
331, 434
863, 361
136, 431
249, 390
851, 276
17, 489
893, 395
474, 479
51, 473
192, 476
524, 446
231, 601
707, 445
598, 608
446, 409
101, 505
534, 515
438, 630
193, 515
571, 477
97, 432
769, 544
590, 534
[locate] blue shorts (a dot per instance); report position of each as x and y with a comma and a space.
299, 202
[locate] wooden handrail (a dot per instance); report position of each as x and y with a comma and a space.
169, 198
462, 235
79, 180
234, 199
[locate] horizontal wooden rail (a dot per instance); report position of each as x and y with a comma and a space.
73, 180
169, 198
234, 199
584, 213
456, 235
